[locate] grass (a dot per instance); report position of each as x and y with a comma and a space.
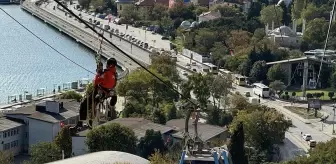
325, 91
179, 43
301, 111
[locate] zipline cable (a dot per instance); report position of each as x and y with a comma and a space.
45, 41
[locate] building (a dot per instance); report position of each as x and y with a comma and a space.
43, 120
206, 132
207, 16
138, 125
172, 3
195, 57
11, 136
104, 157
303, 72
285, 36
121, 4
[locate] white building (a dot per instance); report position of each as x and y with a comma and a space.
42, 121
284, 35
11, 136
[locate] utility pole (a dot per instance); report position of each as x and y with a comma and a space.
333, 132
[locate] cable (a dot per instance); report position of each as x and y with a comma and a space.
45, 42
326, 41
117, 48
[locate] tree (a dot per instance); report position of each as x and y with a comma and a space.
63, 141
277, 86
201, 88
237, 146
111, 137
311, 12
276, 73
170, 109
159, 158
218, 52
267, 15
165, 65
239, 102
263, 127
71, 95
333, 80
239, 39
129, 13
132, 108
220, 87
322, 153
97, 3
315, 33
84, 3
204, 39
159, 11
158, 116
331, 95
151, 142
45, 152
226, 11
6, 157
259, 71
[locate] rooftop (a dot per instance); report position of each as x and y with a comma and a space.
70, 109
297, 60
138, 125
6, 124
104, 157
205, 131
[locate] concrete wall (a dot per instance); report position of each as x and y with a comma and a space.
14, 140
40, 131
78, 145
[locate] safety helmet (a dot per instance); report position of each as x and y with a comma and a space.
112, 61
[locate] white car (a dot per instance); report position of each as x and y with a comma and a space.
307, 137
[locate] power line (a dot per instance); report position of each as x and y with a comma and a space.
124, 53
326, 41
45, 42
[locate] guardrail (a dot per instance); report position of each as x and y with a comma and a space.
83, 41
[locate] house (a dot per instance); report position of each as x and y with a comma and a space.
206, 132
207, 16
138, 125
121, 4
172, 2
11, 136
104, 157
43, 121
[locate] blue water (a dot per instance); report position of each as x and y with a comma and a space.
27, 64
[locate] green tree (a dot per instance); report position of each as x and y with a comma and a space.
237, 145
170, 109
239, 102
45, 152
158, 116
158, 12
151, 142
276, 73
165, 65
226, 11
239, 39
63, 141
263, 127
84, 3
133, 108
277, 86
180, 10
129, 13
315, 33
333, 80
97, 3
221, 86
71, 95
205, 40
298, 6
267, 15
111, 137
259, 71
331, 95
219, 52
311, 12
6, 157
201, 88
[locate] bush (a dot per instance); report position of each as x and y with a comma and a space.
286, 93
293, 94
309, 95
331, 95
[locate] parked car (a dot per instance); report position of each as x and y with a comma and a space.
247, 94
307, 137
146, 45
